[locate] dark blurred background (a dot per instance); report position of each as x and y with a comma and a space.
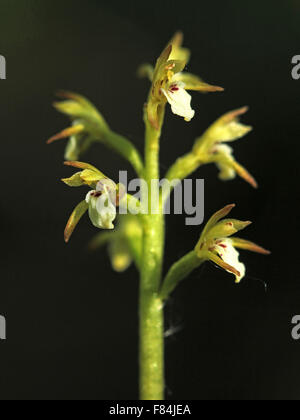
72, 322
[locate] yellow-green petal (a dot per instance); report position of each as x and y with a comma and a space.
74, 181
193, 82
249, 246
90, 177
68, 132
226, 228
178, 52
216, 218
83, 165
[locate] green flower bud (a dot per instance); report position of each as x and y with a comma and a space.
119, 255
124, 244
210, 147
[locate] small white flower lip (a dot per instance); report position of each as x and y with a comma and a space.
179, 100
88, 196
102, 211
230, 255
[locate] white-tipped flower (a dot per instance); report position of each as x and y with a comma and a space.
102, 211
227, 172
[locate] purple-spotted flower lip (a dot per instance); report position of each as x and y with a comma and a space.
102, 210
116, 192
174, 88
96, 194
179, 99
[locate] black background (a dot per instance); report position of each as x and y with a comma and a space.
72, 322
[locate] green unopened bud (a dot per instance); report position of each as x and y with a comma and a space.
120, 255
125, 243
71, 108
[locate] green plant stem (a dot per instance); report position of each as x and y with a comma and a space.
151, 346
181, 169
178, 272
127, 150
119, 144
151, 305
